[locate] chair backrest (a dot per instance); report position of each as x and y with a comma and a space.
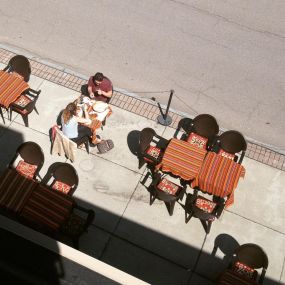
63, 172
31, 153
205, 125
185, 124
146, 136
232, 142
21, 65
34, 96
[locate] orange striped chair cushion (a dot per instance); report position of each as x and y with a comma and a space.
205, 205
11, 87
22, 101
61, 187
226, 154
245, 270
167, 186
182, 159
197, 140
219, 176
230, 277
26, 169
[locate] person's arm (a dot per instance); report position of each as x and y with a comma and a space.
106, 94
83, 120
89, 88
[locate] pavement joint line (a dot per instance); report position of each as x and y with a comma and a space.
70, 79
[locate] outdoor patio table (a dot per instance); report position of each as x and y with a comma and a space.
47, 209
219, 176
12, 85
182, 159
15, 190
96, 118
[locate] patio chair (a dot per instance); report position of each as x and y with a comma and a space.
77, 224
231, 144
25, 104
21, 65
247, 258
61, 144
203, 129
165, 190
62, 177
207, 210
29, 158
151, 147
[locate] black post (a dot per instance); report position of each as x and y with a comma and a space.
164, 119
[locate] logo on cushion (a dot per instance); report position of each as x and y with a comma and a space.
61, 187
153, 151
26, 169
205, 205
197, 140
226, 154
23, 101
167, 186
245, 270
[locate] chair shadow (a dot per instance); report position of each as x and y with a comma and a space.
133, 142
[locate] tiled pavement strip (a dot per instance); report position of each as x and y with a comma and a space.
139, 106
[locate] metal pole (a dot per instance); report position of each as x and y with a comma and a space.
164, 119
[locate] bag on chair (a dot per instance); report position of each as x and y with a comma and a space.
105, 146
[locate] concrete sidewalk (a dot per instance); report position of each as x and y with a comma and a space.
144, 240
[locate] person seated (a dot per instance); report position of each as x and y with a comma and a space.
99, 88
72, 125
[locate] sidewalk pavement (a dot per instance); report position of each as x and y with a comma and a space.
144, 240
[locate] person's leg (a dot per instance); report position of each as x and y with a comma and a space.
83, 131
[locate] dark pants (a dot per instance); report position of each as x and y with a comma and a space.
84, 90
83, 132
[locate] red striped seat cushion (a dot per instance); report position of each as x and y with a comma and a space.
197, 140
153, 151
61, 187
226, 154
26, 169
230, 277
22, 101
205, 205
245, 270
168, 186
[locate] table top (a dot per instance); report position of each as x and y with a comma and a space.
12, 85
219, 176
182, 159
34, 202
15, 189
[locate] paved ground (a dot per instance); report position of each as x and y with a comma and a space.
144, 240
221, 57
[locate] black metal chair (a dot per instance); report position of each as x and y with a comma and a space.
151, 147
63, 177
25, 104
77, 224
204, 125
246, 259
21, 65
165, 190
207, 210
31, 159
231, 144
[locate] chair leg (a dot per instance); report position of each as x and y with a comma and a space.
142, 162
188, 216
26, 120
152, 198
35, 108
86, 143
2, 115
75, 242
206, 225
170, 207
